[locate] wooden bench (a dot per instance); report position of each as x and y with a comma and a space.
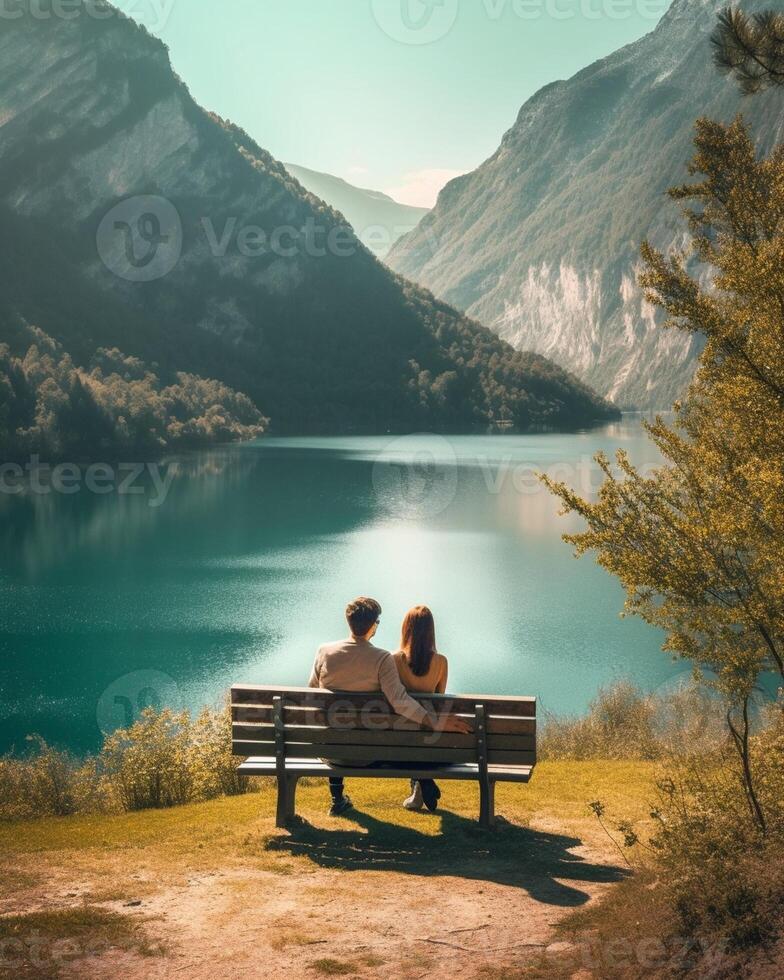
289, 732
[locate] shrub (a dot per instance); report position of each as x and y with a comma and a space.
47, 782
214, 767
148, 764
725, 875
624, 723
162, 760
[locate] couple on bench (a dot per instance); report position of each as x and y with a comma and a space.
356, 664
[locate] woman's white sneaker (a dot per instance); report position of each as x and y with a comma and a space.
415, 801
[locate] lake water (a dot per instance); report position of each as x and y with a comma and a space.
243, 564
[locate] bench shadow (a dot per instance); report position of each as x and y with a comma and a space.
542, 864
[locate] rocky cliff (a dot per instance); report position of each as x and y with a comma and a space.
541, 242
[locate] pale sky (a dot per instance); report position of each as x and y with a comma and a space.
395, 95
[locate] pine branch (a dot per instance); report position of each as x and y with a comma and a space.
750, 48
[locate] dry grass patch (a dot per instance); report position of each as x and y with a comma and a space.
285, 939
328, 967
41, 944
14, 879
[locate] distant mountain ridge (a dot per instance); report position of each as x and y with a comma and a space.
541, 242
378, 220
132, 218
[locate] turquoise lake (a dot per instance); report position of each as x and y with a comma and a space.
236, 563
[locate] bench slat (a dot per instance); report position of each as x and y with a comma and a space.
319, 698
257, 766
381, 721
416, 738
383, 753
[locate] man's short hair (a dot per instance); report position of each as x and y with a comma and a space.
361, 614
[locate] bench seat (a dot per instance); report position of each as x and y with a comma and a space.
260, 766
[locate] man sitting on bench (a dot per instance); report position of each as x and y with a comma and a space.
357, 665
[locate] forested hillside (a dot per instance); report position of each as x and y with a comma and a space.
114, 405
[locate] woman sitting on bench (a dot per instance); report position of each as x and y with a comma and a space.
423, 670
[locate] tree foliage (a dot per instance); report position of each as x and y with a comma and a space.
50, 406
750, 48
699, 545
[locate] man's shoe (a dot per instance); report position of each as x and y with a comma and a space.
415, 801
340, 806
431, 794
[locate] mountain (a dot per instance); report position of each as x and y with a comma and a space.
541, 242
378, 220
132, 219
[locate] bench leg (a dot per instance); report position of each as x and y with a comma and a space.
282, 812
287, 796
487, 803
292, 797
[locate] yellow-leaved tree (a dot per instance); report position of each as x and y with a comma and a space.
699, 544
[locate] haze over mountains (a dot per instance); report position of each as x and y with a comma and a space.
541, 242
133, 218
378, 220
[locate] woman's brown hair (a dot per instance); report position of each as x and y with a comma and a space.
418, 640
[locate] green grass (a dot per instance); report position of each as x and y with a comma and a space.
128, 856
183, 828
560, 790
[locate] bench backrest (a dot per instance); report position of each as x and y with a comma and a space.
357, 727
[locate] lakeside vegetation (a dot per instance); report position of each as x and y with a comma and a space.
115, 404
698, 544
169, 758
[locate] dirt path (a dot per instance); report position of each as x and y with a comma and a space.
238, 924
344, 902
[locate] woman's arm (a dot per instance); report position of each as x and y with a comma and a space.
441, 685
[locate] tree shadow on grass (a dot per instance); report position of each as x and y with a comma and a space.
539, 863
